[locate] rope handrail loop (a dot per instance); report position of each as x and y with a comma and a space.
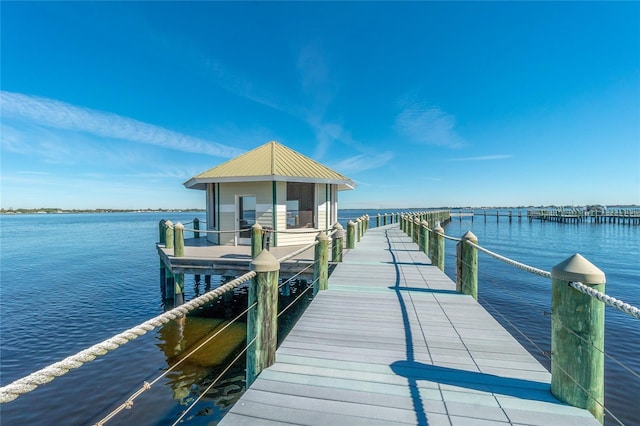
147, 385
214, 231
511, 262
28, 383
607, 300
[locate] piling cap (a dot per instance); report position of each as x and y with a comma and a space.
168, 224
577, 268
337, 226
265, 262
439, 228
322, 236
256, 226
424, 223
470, 236
179, 225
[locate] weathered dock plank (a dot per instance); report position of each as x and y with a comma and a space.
391, 342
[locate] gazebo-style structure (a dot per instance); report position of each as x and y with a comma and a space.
275, 186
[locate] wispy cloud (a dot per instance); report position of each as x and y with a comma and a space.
362, 162
54, 114
483, 158
428, 125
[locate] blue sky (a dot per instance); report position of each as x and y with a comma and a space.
422, 104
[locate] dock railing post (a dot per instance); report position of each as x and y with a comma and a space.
178, 237
338, 239
577, 336
168, 234
358, 227
438, 247
351, 235
262, 321
424, 237
256, 240
321, 265
161, 230
467, 266
196, 227
378, 221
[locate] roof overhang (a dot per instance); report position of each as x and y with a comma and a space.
201, 183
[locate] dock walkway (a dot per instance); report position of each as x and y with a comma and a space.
391, 342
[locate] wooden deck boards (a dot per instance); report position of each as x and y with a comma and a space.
392, 343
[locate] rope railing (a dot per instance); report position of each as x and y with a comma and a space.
297, 252
28, 383
566, 317
511, 262
607, 300
147, 385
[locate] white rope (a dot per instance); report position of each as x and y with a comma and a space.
27, 384
511, 262
607, 300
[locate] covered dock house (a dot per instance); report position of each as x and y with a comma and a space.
275, 186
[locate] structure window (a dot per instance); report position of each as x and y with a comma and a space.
300, 205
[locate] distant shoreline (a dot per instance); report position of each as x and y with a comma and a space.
72, 211
51, 210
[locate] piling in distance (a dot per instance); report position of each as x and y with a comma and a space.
338, 240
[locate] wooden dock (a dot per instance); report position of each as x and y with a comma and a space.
391, 342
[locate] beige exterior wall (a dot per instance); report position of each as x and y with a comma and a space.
326, 214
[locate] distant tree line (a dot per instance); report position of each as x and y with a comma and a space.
54, 210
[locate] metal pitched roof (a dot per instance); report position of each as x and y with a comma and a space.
269, 162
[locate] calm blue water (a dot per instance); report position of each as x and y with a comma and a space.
70, 281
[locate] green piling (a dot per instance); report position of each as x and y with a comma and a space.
338, 241
256, 240
438, 247
262, 320
321, 263
351, 235
178, 238
577, 336
467, 276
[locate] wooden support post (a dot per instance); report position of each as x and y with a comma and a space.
168, 234
163, 279
416, 230
577, 336
178, 250
169, 284
438, 247
321, 265
262, 320
378, 221
256, 240
467, 266
357, 235
338, 241
384, 219
196, 227
351, 235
